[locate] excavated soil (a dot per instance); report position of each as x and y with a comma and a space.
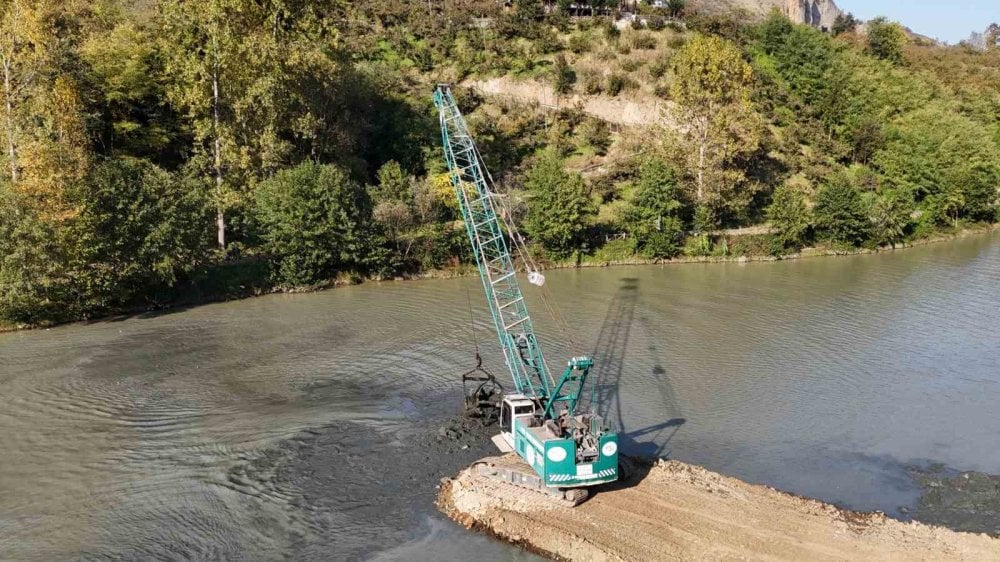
675, 511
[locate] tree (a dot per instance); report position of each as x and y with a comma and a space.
559, 207
24, 54
804, 59
137, 229
596, 134
250, 76
936, 152
789, 215
134, 230
720, 125
563, 76
886, 40
772, 33
676, 8
315, 223
202, 46
844, 23
34, 286
839, 212
653, 214
888, 216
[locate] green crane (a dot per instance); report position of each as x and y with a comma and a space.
539, 420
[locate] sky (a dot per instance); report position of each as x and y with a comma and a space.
947, 20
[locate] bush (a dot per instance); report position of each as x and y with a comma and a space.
134, 231
839, 212
656, 23
643, 41
597, 135
611, 31
34, 287
593, 83
789, 215
315, 223
579, 43
616, 251
618, 83
698, 246
676, 41
631, 65
658, 68
754, 245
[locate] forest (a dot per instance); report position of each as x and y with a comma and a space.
167, 151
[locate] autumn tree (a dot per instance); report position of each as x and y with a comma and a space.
23, 56
719, 123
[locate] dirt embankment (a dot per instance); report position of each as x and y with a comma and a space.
676, 511
638, 111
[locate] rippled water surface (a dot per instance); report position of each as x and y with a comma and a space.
172, 435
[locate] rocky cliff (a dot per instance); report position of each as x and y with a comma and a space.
818, 13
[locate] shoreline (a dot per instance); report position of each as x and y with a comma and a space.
672, 510
805, 253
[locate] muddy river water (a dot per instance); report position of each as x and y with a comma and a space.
303, 426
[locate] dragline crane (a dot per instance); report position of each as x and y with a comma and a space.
538, 420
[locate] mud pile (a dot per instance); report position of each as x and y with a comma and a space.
964, 501
673, 511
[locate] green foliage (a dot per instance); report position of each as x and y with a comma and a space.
563, 76
886, 40
789, 215
840, 212
315, 223
136, 230
844, 23
676, 7
936, 152
616, 251
721, 126
127, 137
888, 216
560, 208
596, 134
653, 216
616, 84
579, 43
774, 31
34, 286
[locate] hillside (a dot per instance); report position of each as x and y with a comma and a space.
166, 150
817, 13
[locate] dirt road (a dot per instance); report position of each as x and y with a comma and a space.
676, 511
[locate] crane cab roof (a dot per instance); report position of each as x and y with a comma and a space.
518, 400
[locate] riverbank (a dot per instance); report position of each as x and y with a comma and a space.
676, 511
245, 282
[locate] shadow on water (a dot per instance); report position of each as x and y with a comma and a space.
609, 356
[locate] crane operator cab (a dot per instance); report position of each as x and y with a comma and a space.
565, 452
